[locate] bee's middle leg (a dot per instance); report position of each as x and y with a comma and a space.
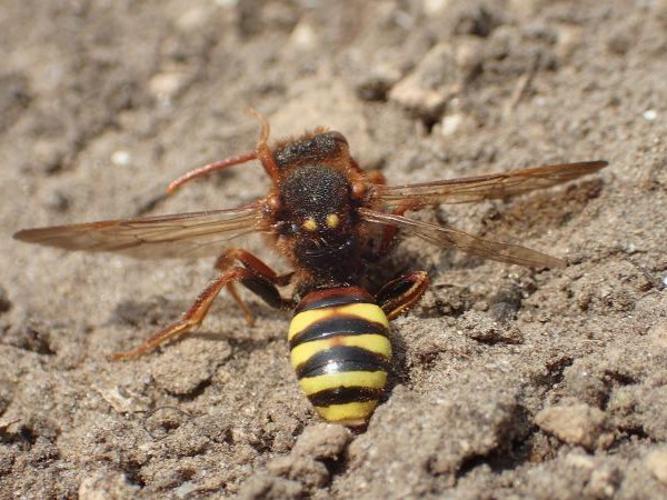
399, 295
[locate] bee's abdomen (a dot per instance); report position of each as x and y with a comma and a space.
340, 351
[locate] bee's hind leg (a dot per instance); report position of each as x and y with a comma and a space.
401, 294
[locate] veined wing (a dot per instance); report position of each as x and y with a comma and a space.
486, 187
192, 234
448, 237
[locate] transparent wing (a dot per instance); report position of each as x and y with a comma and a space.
486, 187
448, 237
180, 235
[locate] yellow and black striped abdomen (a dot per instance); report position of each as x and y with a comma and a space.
340, 351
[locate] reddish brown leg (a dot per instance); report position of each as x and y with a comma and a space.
211, 167
262, 153
399, 295
256, 276
376, 177
263, 283
389, 232
252, 263
190, 320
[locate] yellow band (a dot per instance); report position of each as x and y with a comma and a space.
369, 312
348, 413
371, 380
372, 342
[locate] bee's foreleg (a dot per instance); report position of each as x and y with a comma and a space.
262, 283
251, 278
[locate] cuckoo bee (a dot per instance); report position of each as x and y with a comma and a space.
329, 219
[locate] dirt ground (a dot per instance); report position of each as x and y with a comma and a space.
509, 383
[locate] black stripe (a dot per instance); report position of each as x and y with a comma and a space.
339, 324
343, 395
332, 301
340, 359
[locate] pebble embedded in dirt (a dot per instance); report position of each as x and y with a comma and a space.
658, 334
311, 473
577, 424
265, 487
656, 462
304, 37
433, 82
583, 382
483, 328
106, 485
322, 441
604, 482
58, 201
186, 367
318, 446
504, 305
569, 38
169, 84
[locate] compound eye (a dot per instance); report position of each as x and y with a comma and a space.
309, 224
333, 221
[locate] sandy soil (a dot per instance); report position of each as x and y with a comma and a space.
509, 383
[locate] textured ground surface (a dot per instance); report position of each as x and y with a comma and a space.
509, 382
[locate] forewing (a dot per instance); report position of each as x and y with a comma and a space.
448, 237
181, 235
487, 187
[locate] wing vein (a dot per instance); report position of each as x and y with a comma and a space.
449, 237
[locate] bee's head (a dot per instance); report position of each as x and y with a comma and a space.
315, 202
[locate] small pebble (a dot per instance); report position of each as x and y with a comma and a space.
193, 19
166, 86
322, 441
309, 472
580, 461
432, 7
570, 39
432, 83
185, 368
527, 8
58, 201
658, 334
656, 462
303, 37
318, 444
450, 124
121, 158
604, 482
104, 485
650, 115
266, 487
577, 424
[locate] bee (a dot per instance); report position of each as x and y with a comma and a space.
329, 219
